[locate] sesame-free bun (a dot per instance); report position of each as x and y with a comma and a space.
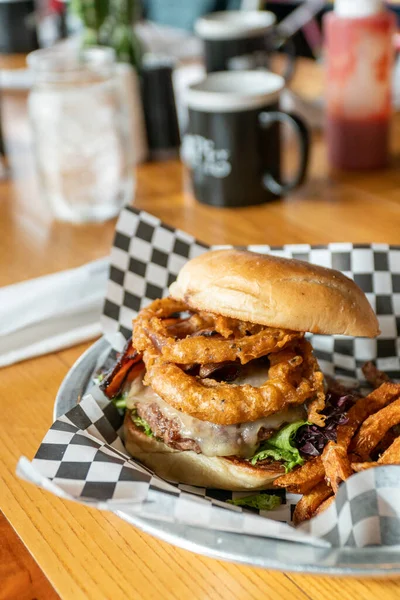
196, 469
278, 292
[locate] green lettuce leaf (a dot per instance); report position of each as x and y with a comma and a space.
280, 447
99, 378
260, 501
141, 423
120, 401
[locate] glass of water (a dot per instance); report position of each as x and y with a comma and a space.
81, 137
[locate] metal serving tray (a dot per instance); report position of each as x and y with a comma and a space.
246, 549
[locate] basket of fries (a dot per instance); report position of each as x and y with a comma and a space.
325, 471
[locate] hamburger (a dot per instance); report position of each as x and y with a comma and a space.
219, 379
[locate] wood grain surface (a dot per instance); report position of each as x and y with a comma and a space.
20, 575
89, 554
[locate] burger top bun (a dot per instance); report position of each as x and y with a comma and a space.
277, 292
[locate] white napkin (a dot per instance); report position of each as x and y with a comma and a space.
52, 312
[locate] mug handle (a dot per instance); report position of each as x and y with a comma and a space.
291, 55
278, 42
266, 119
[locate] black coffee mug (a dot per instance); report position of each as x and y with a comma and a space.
233, 143
241, 40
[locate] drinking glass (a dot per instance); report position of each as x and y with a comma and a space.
81, 138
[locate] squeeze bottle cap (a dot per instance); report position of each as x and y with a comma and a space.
358, 8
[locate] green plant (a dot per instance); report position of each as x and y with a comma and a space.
110, 23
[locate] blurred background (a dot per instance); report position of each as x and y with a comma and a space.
107, 82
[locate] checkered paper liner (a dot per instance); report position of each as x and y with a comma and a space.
82, 457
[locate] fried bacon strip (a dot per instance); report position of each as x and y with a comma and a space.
227, 404
128, 366
310, 502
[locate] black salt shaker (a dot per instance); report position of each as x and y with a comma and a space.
159, 107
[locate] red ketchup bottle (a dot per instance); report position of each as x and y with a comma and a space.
359, 62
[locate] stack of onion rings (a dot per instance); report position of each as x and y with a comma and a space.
170, 342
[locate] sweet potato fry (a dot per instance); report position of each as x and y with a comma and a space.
383, 444
309, 503
391, 456
336, 464
363, 466
322, 507
374, 428
339, 389
365, 407
302, 480
373, 375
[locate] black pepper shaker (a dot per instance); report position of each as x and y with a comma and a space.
159, 107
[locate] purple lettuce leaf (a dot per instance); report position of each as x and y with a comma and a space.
311, 439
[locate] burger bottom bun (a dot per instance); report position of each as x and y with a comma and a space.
196, 469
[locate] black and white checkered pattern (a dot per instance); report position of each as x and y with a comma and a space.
147, 256
145, 259
82, 456
366, 511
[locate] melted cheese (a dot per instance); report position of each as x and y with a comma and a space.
220, 440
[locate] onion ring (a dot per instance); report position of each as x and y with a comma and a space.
149, 329
294, 376
208, 350
228, 404
150, 321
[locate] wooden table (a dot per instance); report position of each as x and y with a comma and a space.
88, 554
